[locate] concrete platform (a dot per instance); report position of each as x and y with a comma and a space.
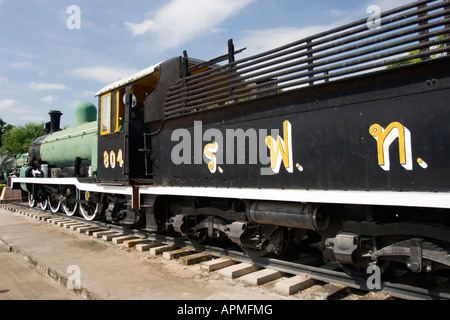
19, 282
9, 195
97, 269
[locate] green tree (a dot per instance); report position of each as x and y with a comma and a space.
17, 139
411, 53
6, 162
395, 65
2, 130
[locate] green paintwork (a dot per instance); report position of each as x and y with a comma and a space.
23, 171
85, 112
23, 174
61, 148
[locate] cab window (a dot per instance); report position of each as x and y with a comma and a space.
105, 123
120, 111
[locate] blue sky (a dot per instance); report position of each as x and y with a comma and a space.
45, 65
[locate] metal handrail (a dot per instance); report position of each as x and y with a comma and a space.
345, 51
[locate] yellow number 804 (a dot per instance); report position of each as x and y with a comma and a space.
110, 160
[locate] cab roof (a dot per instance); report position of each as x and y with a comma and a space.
122, 82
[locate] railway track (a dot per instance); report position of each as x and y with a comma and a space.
302, 277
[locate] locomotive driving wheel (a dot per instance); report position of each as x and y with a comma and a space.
54, 202
88, 207
69, 203
44, 204
31, 200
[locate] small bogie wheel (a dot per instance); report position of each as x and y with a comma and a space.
88, 207
255, 253
200, 237
275, 244
70, 205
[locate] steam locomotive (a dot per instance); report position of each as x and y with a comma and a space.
339, 140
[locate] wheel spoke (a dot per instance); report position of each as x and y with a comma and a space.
88, 208
54, 203
44, 204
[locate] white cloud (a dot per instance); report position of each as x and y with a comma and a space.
89, 94
180, 20
3, 80
141, 28
47, 86
338, 12
103, 74
7, 103
21, 65
32, 118
19, 112
49, 99
386, 5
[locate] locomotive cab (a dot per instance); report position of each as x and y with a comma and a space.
131, 111
121, 106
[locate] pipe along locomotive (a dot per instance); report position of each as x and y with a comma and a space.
339, 141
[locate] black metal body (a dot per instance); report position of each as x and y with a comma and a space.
331, 137
133, 166
347, 117
128, 142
